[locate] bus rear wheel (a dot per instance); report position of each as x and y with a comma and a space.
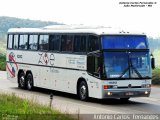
83, 91
29, 81
22, 81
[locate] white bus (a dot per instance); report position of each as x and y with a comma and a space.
95, 62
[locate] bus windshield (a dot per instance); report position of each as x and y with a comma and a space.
124, 42
125, 65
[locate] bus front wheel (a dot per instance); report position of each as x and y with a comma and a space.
29, 81
83, 91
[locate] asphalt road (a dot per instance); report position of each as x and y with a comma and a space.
69, 103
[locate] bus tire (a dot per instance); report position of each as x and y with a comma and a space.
21, 81
29, 79
83, 91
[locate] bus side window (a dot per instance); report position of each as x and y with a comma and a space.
90, 64
67, 43
54, 42
43, 42
15, 44
93, 43
33, 41
10, 41
79, 43
93, 65
23, 42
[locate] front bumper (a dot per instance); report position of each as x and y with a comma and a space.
126, 93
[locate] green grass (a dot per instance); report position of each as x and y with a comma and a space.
156, 77
12, 106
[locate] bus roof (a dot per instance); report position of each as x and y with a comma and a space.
99, 30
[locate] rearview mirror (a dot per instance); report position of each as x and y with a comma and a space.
153, 62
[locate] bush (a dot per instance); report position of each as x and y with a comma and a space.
2, 62
156, 77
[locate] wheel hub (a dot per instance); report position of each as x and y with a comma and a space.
83, 91
22, 80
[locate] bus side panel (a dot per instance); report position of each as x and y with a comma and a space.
50, 70
94, 87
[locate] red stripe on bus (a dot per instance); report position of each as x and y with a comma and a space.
12, 73
13, 61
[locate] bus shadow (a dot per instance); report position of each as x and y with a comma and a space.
54, 93
90, 100
115, 102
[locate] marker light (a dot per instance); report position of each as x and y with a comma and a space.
105, 86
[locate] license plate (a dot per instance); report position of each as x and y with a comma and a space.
129, 93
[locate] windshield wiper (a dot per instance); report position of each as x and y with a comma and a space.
131, 66
124, 72
136, 71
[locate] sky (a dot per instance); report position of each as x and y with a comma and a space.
88, 12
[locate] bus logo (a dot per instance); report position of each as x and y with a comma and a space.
43, 58
129, 86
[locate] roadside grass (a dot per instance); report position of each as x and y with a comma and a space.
14, 107
156, 76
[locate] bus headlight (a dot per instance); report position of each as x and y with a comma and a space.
146, 85
146, 92
109, 93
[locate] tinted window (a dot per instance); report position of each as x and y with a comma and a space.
23, 42
67, 43
10, 41
54, 42
124, 42
43, 42
79, 43
93, 43
15, 44
33, 40
127, 64
93, 65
